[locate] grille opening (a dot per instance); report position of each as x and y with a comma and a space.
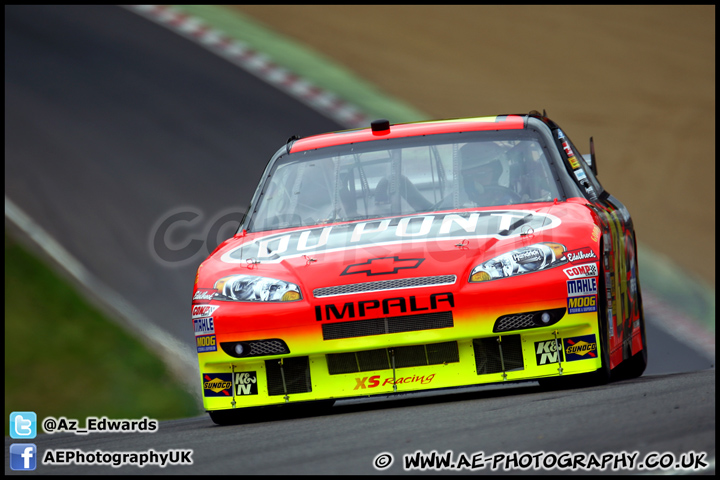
256, 348
293, 376
381, 285
487, 354
382, 326
522, 321
381, 359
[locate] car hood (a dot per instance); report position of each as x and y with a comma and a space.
421, 245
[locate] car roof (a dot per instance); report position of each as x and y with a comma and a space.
386, 131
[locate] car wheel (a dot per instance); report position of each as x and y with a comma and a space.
634, 366
602, 375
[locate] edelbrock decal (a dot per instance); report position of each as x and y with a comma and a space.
499, 224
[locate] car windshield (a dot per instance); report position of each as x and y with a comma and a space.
404, 176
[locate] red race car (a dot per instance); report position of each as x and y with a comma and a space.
418, 256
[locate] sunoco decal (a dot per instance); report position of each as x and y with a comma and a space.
391, 231
246, 383
217, 384
580, 348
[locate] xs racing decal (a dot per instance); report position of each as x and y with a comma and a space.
392, 231
374, 381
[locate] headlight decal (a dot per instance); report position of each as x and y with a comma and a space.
248, 288
532, 258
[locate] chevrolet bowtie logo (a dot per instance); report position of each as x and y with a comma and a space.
382, 266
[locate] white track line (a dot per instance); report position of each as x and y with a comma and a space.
256, 63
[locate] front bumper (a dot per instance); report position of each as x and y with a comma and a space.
400, 362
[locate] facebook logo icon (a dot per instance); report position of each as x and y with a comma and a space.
23, 456
23, 425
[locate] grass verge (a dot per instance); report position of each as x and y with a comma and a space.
64, 358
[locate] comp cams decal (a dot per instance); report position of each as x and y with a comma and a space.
391, 231
580, 271
199, 311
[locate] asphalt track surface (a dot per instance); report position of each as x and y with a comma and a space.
112, 124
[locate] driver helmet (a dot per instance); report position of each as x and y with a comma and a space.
482, 158
480, 167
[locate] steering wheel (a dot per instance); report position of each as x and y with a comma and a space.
499, 195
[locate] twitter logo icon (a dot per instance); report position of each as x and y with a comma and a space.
23, 425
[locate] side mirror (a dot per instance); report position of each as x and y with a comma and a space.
590, 158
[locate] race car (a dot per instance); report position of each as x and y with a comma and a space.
416, 256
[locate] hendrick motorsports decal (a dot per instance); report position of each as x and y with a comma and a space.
246, 383
580, 348
217, 384
392, 231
